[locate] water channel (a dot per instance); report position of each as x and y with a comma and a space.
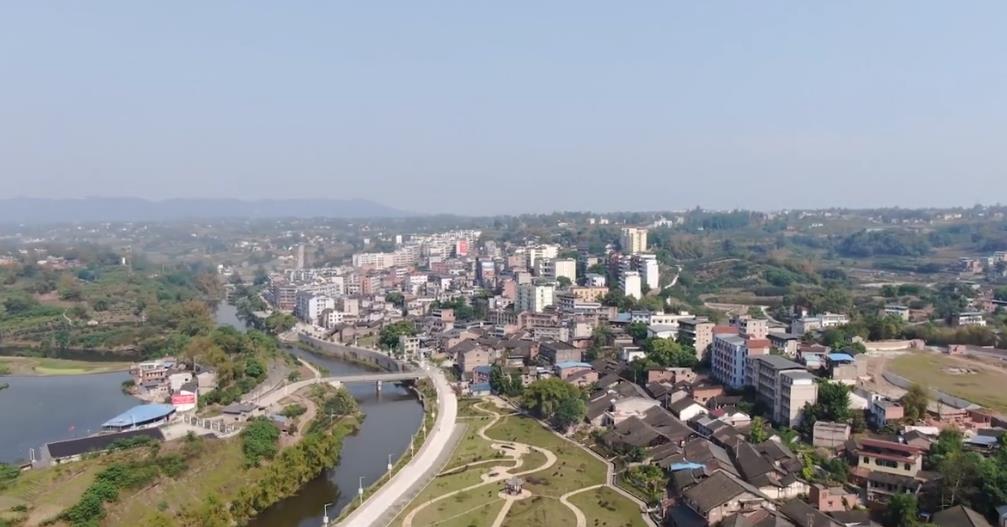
392, 416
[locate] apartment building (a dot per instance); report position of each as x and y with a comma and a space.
631, 284
729, 357
646, 265
535, 297
782, 385
310, 306
570, 304
554, 268
633, 240
819, 322
896, 311
697, 332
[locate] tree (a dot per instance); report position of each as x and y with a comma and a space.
637, 330
570, 412
669, 353
545, 397
564, 282
915, 403
759, 431
834, 401
389, 336
504, 384
902, 511
259, 441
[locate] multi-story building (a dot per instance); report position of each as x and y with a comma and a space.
595, 280
535, 297
485, 272
697, 332
588, 293
571, 304
763, 374
797, 389
633, 240
970, 318
563, 267
311, 305
631, 284
284, 296
888, 457
729, 357
409, 346
753, 328
828, 320
884, 411
537, 252
899, 311
646, 265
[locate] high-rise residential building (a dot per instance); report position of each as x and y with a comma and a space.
545, 251
631, 284
633, 240
300, 256
646, 265
535, 297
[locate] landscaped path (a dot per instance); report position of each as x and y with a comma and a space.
516, 451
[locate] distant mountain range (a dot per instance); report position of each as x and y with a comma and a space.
95, 209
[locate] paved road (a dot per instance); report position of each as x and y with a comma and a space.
426, 461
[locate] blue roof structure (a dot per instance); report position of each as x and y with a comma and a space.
482, 387
139, 415
572, 364
840, 357
483, 369
675, 467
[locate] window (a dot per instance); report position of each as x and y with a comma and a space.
867, 460
908, 466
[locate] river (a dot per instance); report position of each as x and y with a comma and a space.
392, 416
39, 410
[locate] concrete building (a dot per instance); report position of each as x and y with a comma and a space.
535, 297
646, 265
830, 435
798, 388
782, 385
896, 311
884, 411
828, 320
311, 305
697, 332
729, 357
631, 284
888, 457
633, 240
559, 267
970, 318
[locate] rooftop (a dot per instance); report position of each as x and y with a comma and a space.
140, 414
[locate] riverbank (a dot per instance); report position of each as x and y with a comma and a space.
46, 366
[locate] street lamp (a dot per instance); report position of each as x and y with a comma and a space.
389, 463
360, 490
325, 514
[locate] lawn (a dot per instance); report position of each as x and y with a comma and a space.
607, 508
931, 370
49, 366
574, 468
540, 510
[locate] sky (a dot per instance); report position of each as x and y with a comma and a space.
506, 107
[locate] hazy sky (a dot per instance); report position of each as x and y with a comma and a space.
477, 107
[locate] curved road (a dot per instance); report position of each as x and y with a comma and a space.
392, 492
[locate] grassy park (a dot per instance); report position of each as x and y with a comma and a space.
459, 497
965, 378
